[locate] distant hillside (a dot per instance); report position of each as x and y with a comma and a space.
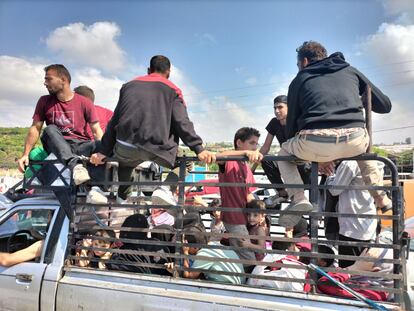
11, 145
12, 141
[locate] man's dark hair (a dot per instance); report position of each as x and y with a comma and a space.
195, 235
159, 63
244, 134
312, 50
280, 99
60, 70
85, 91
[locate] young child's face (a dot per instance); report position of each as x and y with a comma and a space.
249, 144
255, 218
100, 244
217, 214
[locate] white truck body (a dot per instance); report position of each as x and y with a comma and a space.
48, 285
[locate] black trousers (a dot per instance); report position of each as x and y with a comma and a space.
68, 150
65, 150
349, 250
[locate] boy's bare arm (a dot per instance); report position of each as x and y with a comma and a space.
265, 149
254, 156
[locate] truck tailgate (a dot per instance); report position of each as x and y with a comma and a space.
80, 289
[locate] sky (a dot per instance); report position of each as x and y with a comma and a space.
230, 58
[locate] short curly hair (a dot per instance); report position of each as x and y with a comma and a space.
311, 50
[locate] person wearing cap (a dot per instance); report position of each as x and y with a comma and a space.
277, 127
159, 215
326, 122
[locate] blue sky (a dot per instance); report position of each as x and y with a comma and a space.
230, 57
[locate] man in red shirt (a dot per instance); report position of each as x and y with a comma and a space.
104, 115
245, 144
66, 115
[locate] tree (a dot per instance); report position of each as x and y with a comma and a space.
408, 140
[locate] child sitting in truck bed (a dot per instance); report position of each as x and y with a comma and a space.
257, 224
379, 266
94, 257
212, 268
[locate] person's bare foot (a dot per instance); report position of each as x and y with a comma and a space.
362, 265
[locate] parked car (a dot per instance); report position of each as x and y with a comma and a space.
206, 192
5, 204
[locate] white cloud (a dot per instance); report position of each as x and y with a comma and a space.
93, 45
391, 42
106, 89
192, 95
399, 117
206, 38
251, 81
403, 8
219, 119
21, 84
390, 50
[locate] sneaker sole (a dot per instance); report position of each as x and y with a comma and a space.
289, 220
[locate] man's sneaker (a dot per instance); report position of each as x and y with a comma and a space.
120, 200
96, 196
274, 200
290, 220
80, 174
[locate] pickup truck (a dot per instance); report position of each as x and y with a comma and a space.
52, 283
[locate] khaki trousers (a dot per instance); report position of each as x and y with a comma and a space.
313, 151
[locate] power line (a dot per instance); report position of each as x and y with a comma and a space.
394, 128
274, 84
388, 64
258, 94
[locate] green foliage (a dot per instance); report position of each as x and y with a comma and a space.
406, 157
11, 145
379, 151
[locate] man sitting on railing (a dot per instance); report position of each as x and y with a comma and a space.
66, 115
326, 121
149, 120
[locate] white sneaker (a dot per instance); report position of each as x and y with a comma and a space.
119, 200
274, 200
80, 174
96, 196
